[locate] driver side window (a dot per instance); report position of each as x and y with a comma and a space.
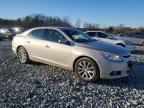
55, 36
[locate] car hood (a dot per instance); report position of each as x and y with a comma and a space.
106, 47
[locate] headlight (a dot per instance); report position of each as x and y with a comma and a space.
112, 57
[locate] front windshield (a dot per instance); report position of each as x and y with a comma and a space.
77, 36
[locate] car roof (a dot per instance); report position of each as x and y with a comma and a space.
54, 28
94, 31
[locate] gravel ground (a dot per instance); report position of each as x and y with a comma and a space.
40, 85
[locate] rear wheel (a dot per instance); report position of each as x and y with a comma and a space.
87, 70
22, 55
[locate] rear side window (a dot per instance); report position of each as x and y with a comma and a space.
37, 34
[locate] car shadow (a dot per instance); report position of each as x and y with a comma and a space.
134, 81
36, 63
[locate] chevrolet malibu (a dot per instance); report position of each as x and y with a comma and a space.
73, 50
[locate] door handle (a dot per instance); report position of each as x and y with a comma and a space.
47, 46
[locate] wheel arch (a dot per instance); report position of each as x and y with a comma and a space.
18, 48
73, 66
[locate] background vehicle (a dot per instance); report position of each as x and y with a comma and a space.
74, 50
136, 37
9, 33
4, 32
13, 31
98, 35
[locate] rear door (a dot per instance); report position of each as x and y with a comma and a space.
34, 43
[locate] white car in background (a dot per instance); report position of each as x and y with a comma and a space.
99, 35
136, 37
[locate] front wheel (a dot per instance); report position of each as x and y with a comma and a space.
22, 55
87, 70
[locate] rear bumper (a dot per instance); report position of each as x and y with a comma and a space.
14, 50
14, 47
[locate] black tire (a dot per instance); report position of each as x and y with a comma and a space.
22, 55
122, 45
92, 73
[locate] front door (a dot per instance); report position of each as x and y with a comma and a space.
56, 49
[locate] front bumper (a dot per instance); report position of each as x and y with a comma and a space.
120, 69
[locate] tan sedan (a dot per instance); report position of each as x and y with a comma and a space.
74, 50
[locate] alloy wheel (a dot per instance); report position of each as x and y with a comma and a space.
22, 55
86, 70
